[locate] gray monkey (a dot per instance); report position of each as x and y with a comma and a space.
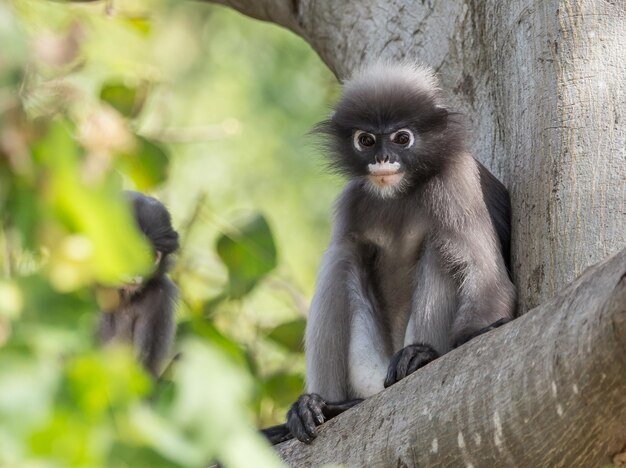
144, 315
418, 263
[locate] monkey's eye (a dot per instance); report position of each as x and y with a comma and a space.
363, 139
403, 137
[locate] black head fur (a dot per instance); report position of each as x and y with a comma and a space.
154, 221
381, 99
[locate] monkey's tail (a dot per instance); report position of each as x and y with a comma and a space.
277, 434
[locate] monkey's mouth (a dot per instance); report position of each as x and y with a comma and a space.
385, 174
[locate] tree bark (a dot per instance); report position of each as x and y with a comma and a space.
547, 389
543, 86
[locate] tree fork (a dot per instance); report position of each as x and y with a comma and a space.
547, 389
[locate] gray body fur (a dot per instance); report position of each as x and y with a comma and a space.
425, 266
146, 321
144, 316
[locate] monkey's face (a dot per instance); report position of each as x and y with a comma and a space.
384, 156
391, 152
390, 130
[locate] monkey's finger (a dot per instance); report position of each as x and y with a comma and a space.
418, 361
297, 430
316, 410
390, 379
403, 363
306, 416
297, 426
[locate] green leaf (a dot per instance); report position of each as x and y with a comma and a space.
146, 165
284, 388
290, 335
208, 332
96, 211
126, 100
249, 253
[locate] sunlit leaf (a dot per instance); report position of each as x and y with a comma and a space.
249, 253
140, 24
290, 335
126, 100
25, 211
284, 388
206, 330
147, 164
98, 211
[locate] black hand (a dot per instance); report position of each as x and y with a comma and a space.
408, 360
305, 414
464, 338
281, 432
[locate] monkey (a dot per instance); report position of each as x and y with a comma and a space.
144, 314
418, 262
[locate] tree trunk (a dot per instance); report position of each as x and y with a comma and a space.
547, 389
543, 86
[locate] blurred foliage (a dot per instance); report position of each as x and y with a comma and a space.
208, 111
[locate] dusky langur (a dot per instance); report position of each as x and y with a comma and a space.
144, 311
418, 263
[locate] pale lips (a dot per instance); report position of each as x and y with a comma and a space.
385, 174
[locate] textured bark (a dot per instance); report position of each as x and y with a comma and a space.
547, 389
543, 86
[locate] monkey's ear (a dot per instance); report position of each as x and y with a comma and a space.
441, 111
158, 256
437, 120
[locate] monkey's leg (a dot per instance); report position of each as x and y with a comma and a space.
433, 304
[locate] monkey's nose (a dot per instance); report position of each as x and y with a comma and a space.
382, 159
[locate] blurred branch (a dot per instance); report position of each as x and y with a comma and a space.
283, 12
297, 296
226, 129
188, 225
8, 255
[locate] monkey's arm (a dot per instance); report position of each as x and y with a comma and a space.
154, 329
432, 307
327, 344
486, 295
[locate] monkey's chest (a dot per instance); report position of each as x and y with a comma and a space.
123, 324
393, 279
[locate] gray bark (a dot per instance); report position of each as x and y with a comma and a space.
543, 86
547, 389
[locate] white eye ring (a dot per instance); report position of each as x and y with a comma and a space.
357, 135
392, 137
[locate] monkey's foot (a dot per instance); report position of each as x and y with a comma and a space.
408, 360
464, 338
305, 414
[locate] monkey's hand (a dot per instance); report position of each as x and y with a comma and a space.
464, 338
305, 414
310, 411
408, 360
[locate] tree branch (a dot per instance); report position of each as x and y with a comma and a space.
282, 12
544, 390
